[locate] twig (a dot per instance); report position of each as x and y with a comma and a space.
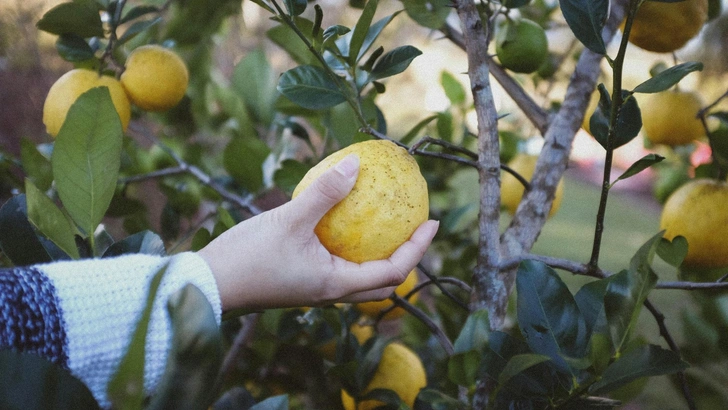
449, 157
246, 332
108, 52
436, 281
426, 140
376, 134
422, 317
722, 172
160, 173
448, 279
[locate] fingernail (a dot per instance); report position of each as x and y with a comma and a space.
348, 166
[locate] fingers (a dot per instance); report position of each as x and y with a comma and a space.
409, 254
327, 190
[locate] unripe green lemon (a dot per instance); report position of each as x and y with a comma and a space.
155, 78
521, 46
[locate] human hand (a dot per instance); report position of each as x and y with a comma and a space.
276, 260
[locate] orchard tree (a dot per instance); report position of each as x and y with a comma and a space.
496, 326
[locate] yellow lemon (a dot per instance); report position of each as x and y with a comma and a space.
670, 118
665, 27
512, 189
400, 370
155, 78
697, 211
388, 202
66, 90
372, 309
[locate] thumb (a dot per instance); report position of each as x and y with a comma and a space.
328, 189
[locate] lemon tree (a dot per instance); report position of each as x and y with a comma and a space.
155, 78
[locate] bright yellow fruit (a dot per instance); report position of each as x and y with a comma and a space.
372, 309
670, 118
66, 90
399, 370
155, 78
521, 46
665, 27
697, 211
388, 202
512, 189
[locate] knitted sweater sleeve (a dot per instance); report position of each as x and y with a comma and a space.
81, 314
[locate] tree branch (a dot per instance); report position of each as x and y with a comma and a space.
247, 331
422, 317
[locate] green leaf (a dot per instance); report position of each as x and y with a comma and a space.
138, 11
394, 62
73, 48
373, 33
243, 159
18, 240
639, 166
136, 29
428, 13
438, 400
295, 7
548, 316
145, 242
454, 90
501, 347
288, 40
272, 403
644, 361
310, 87
290, 174
518, 363
253, 80
513, 4
416, 129
474, 334
342, 124
46, 216
718, 139
200, 240
627, 292
72, 18
29, 381
668, 78
462, 368
372, 355
361, 30
586, 19
36, 166
196, 354
673, 252
629, 119
86, 158
126, 388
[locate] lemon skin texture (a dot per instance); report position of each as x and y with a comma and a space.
697, 211
522, 46
512, 189
666, 27
372, 309
155, 78
66, 90
400, 370
388, 202
669, 118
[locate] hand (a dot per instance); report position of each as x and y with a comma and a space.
276, 260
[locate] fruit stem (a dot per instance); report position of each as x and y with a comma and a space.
114, 23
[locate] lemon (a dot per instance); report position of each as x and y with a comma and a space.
512, 189
155, 78
521, 46
697, 211
388, 202
372, 309
669, 117
665, 27
399, 370
66, 90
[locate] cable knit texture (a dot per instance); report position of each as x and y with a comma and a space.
101, 302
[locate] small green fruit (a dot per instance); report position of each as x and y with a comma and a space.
521, 46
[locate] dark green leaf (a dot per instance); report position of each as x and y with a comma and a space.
372, 355
73, 48
390, 399
49, 220
196, 354
416, 129
474, 334
673, 252
86, 158
138, 11
253, 80
145, 242
639, 166
36, 166
18, 240
548, 316
243, 159
310, 87
500, 349
264, 5
438, 400
518, 363
428, 13
28, 381
200, 240
627, 291
668, 78
590, 299
644, 361
394, 62
235, 399
586, 19
373, 33
290, 174
72, 18
444, 125
629, 119
361, 30
513, 4
136, 29
295, 7
718, 139
126, 388
332, 33
454, 90
462, 368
